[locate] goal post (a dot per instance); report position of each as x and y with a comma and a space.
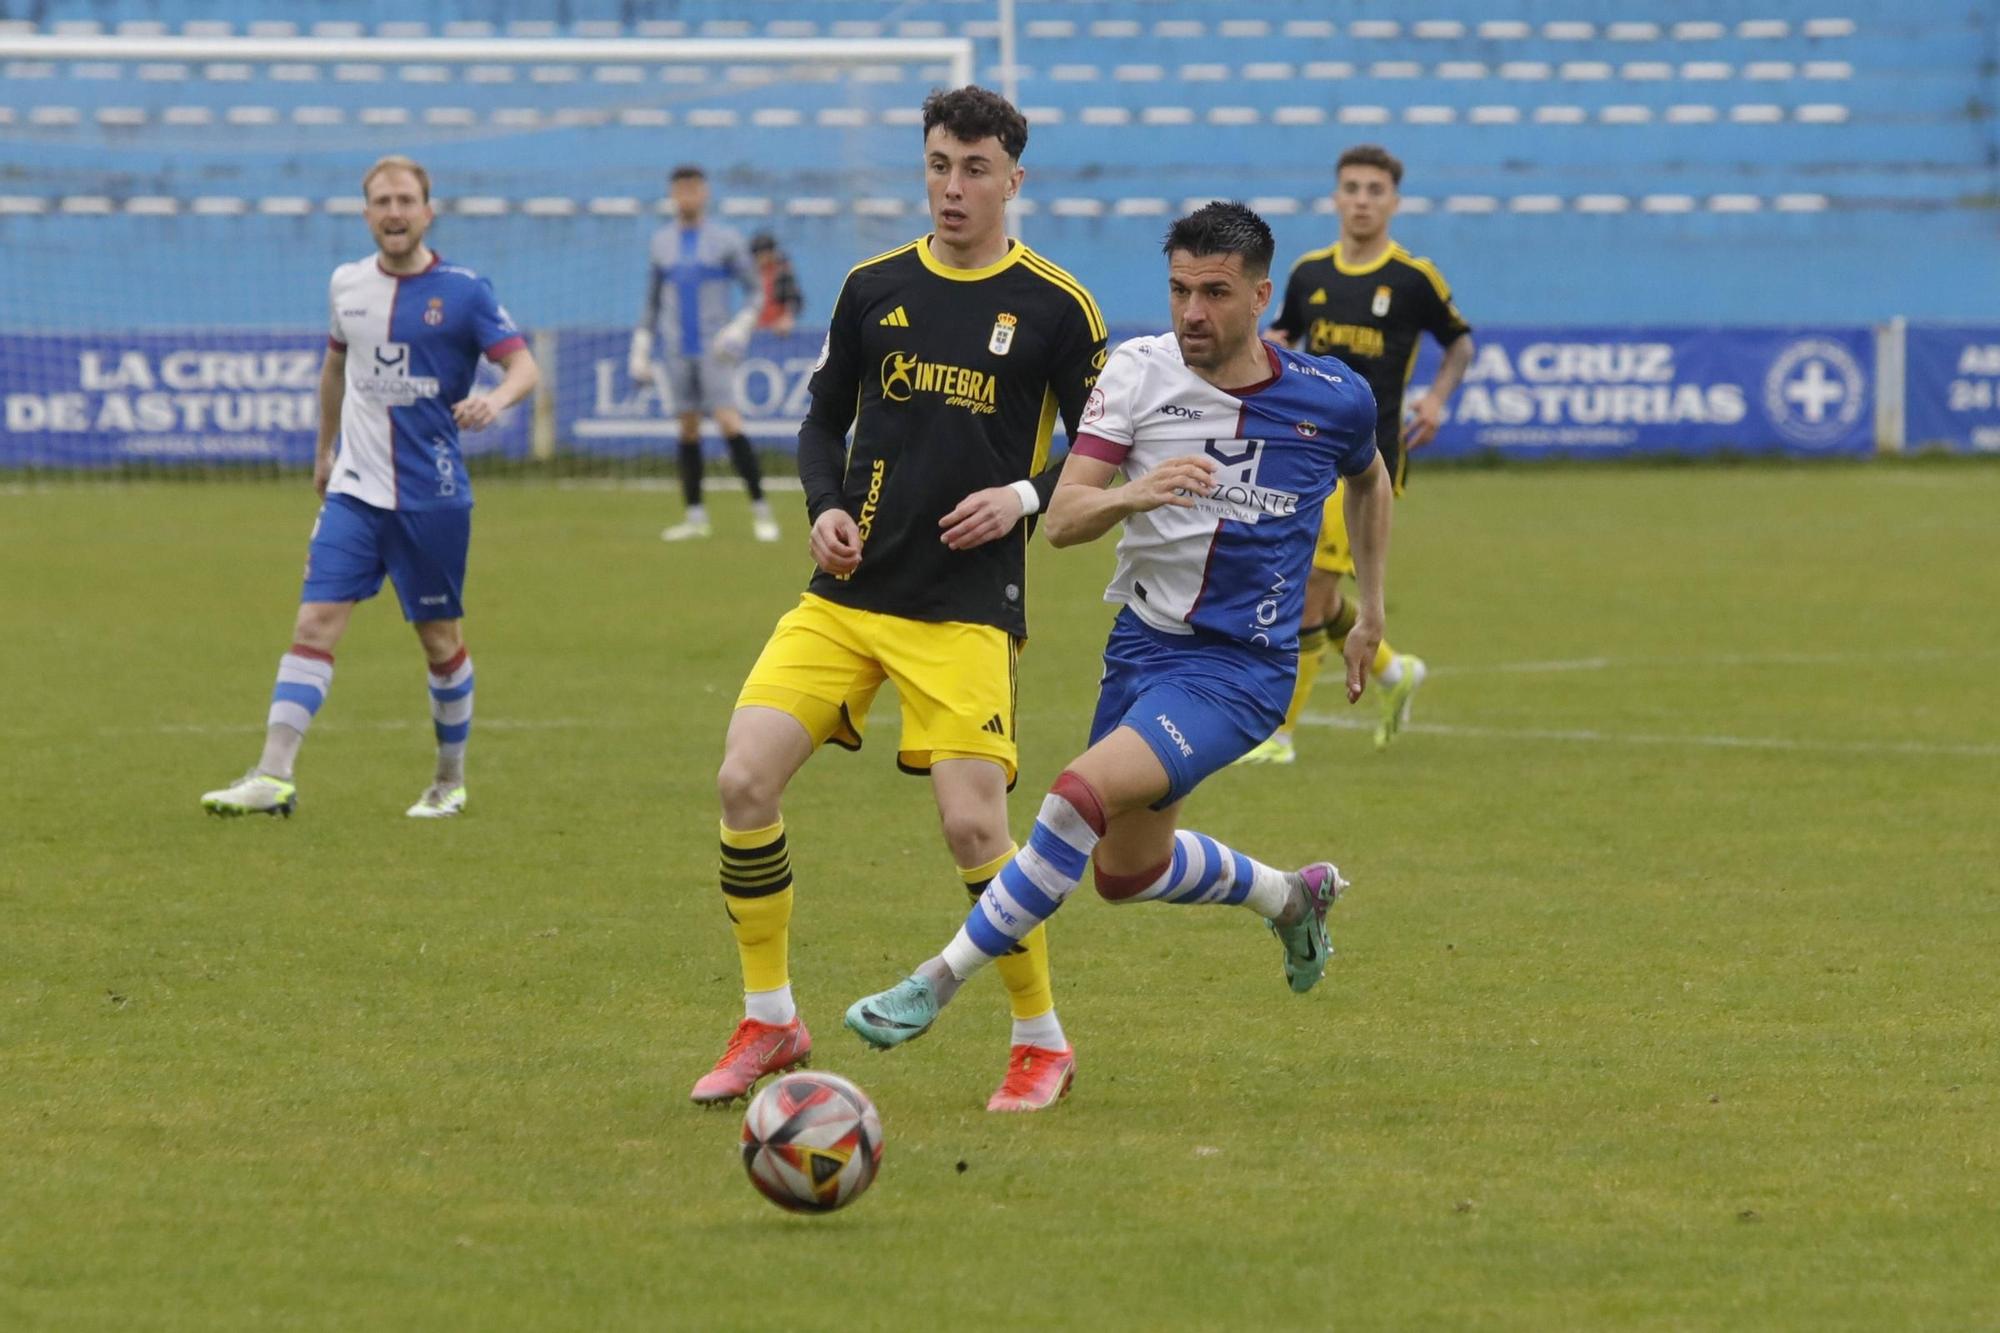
175, 205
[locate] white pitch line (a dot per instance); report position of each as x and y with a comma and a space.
405, 724
1575, 735
1603, 663
1589, 735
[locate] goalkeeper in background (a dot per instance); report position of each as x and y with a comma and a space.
691, 266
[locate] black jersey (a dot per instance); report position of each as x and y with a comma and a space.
1372, 317
953, 379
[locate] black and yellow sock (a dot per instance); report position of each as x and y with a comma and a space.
1023, 969
757, 893
1312, 652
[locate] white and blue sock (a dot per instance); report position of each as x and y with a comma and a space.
1203, 871
304, 676
451, 715
1029, 888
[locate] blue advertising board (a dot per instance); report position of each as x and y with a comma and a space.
208, 397
216, 396
1952, 386
600, 408
1615, 392
1530, 392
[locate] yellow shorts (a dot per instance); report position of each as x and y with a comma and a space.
824, 662
1333, 554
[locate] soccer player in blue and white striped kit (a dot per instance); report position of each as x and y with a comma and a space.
407, 331
1224, 490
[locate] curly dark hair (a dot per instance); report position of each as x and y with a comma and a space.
971, 113
1223, 228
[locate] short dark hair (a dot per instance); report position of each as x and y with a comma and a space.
1371, 155
687, 171
763, 241
970, 114
1224, 228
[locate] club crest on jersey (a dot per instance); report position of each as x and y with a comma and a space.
1003, 335
1306, 430
1381, 304
434, 312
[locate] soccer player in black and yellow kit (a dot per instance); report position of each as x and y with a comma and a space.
951, 357
1368, 301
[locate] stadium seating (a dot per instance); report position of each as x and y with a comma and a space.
1546, 154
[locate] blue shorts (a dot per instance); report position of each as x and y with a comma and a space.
1202, 702
354, 545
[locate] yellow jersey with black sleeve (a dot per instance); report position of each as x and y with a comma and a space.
1372, 316
952, 380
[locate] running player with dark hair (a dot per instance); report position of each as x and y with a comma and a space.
1229, 449
951, 358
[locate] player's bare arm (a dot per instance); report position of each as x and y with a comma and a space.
480, 410
332, 390
1427, 413
1083, 510
1367, 499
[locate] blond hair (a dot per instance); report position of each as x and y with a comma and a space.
397, 162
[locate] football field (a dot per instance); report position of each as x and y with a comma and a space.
1666, 996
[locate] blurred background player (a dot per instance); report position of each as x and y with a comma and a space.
396, 498
1217, 537
950, 357
779, 311
693, 266
1366, 300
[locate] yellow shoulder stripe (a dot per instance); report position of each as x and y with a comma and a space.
904, 248
1325, 252
1429, 270
1093, 317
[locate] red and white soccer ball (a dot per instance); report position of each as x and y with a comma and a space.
812, 1142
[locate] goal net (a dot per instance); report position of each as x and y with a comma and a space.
174, 207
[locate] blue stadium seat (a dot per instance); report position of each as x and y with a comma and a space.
1624, 160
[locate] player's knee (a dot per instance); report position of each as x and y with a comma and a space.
749, 791
318, 625
975, 836
441, 639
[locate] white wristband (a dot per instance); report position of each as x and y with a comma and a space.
1031, 499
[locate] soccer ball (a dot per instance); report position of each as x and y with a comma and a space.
812, 1142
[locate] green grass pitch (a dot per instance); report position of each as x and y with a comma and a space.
1667, 993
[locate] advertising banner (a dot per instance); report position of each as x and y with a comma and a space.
1952, 386
204, 397
600, 408
215, 397
1616, 392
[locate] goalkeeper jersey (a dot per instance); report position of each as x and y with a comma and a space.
690, 273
